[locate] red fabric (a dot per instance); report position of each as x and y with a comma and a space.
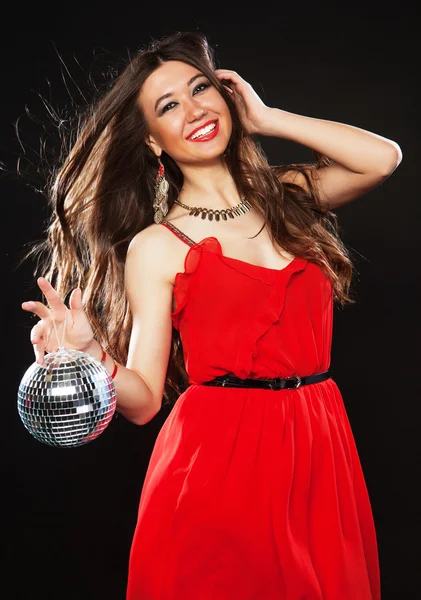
254, 494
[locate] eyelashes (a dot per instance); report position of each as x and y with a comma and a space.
204, 85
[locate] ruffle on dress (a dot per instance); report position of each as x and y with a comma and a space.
254, 493
268, 300
267, 315
183, 279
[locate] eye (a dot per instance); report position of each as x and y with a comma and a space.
201, 85
204, 85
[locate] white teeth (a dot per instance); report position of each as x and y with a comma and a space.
203, 131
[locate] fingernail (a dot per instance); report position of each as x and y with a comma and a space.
28, 304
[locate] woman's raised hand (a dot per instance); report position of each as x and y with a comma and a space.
79, 334
252, 110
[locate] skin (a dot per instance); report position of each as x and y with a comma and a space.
204, 172
207, 181
362, 160
205, 176
202, 166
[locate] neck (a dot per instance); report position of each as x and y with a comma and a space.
208, 186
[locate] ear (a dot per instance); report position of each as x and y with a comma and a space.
153, 145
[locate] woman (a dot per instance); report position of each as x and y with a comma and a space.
210, 274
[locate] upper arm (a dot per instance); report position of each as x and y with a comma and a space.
149, 293
335, 185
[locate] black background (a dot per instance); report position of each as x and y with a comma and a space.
70, 514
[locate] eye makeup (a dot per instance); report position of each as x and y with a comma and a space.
204, 84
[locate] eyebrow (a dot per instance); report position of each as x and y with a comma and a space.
172, 93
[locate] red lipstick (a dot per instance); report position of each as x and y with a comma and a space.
207, 137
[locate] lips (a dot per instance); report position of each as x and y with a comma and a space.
201, 127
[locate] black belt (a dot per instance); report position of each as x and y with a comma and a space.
290, 383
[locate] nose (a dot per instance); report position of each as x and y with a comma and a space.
194, 111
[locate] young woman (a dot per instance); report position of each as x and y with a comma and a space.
207, 274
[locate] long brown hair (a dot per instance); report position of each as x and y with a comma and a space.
101, 195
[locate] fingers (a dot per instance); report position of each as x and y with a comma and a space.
41, 332
38, 308
57, 308
226, 76
38, 341
227, 72
56, 304
75, 300
38, 331
231, 76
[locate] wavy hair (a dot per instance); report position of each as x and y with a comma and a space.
101, 195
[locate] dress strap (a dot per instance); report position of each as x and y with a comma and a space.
178, 233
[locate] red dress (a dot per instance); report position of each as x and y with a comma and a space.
254, 494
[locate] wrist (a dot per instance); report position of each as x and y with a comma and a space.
275, 123
94, 349
97, 351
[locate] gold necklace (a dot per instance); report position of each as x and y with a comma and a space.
239, 209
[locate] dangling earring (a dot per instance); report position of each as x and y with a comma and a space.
161, 194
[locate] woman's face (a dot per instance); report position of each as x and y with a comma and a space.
191, 102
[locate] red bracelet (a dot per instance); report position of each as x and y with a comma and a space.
115, 370
103, 357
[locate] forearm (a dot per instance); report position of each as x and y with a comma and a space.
356, 149
134, 397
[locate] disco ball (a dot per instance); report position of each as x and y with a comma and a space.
67, 400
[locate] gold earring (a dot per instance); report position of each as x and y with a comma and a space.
161, 194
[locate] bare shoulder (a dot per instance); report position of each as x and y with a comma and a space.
151, 251
149, 293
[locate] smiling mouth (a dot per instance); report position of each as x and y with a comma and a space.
206, 133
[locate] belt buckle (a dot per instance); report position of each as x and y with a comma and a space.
276, 385
297, 382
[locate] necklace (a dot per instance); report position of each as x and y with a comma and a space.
239, 209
